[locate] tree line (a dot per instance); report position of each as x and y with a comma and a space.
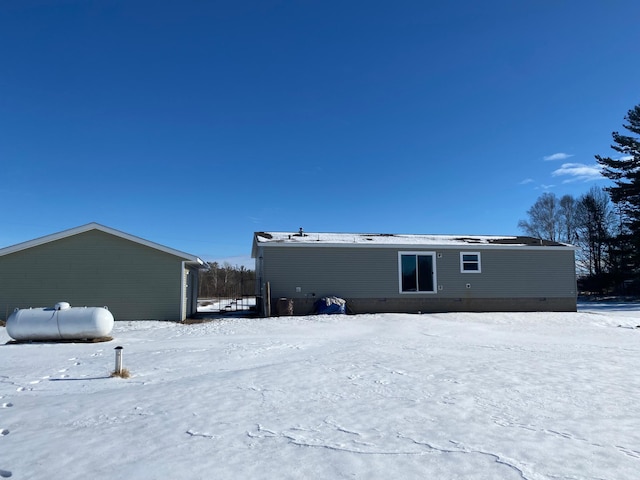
604, 222
225, 281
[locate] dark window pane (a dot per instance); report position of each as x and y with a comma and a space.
409, 283
469, 258
425, 273
470, 266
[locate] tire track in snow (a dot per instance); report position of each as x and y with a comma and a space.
627, 451
193, 433
565, 435
355, 442
464, 450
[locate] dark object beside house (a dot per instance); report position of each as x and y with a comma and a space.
284, 307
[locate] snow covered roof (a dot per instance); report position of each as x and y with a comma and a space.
192, 259
399, 240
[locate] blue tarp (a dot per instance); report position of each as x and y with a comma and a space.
331, 305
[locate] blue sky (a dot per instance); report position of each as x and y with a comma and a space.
195, 123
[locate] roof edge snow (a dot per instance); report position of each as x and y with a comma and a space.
384, 240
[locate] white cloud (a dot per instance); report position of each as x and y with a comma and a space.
557, 156
544, 187
578, 172
526, 181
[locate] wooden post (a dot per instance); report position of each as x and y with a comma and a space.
267, 300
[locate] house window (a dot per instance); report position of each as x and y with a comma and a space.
470, 262
417, 272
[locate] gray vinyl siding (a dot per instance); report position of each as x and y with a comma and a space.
352, 272
93, 268
345, 272
510, 273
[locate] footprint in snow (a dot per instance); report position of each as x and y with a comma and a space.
5, 473
4, 432
7, 405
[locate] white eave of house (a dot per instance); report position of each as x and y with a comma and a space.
382, 240
188, 258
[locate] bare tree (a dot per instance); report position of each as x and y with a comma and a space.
596, 221
544, 218
568, 219
226, 281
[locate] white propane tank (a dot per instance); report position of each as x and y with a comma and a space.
61, 322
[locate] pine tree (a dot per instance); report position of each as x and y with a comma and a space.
624, 171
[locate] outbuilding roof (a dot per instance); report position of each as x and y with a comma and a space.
191, 259
303, 238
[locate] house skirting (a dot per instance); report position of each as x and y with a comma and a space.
305, 306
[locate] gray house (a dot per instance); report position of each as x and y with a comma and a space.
415, 273
94, 265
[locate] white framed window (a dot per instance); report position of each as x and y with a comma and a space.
417, 272
470, 262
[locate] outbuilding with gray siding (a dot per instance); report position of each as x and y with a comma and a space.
415, 273
95, 265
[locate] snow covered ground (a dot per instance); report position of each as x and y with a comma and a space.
447, 396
